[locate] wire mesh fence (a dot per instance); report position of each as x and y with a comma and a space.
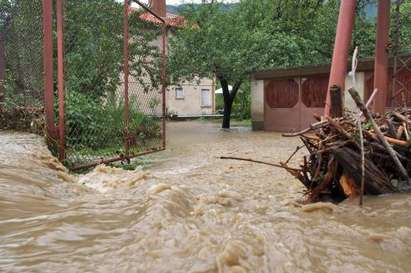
113, 108
91, 72
21, 66
401, 37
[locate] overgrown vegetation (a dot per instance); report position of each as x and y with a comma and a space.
100, 123
93, 58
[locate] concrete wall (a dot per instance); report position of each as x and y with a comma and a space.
257, 104
359, 86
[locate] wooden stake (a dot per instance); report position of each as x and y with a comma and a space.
337, 106
261, 162
362, 163
354, 94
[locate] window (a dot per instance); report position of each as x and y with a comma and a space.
179, 93
205, 98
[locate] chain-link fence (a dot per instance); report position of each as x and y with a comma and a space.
21, 74
401, 48
96, 67
113, 109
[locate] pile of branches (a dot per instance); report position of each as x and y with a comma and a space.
28, 119
356, 154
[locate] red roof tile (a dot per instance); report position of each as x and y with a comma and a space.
172, 20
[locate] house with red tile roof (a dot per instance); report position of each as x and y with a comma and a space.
188, 98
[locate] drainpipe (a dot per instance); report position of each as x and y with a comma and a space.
381, 56
341, 49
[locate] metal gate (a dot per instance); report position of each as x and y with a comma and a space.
120, 114
111, 80
290, 104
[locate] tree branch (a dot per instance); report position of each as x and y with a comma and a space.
236, 87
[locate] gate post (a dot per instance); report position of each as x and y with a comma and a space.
381, 55
164, 82
2, 65
48, 68
341, 49
126, 76
60, 77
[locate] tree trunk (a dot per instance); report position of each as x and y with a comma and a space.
228, 100
228, 105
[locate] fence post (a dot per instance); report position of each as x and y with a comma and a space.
342, 45
2, 65
60, 76
126, 75
48, 68
164, 82
381, 56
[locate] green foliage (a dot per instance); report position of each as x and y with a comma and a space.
99, 123
405, 25
94, 47
242, 102
251, 36
21, 26
261, 34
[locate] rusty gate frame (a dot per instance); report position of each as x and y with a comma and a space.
401, 63
57, 134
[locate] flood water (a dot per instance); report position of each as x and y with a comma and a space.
188, 211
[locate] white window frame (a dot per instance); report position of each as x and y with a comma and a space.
181, 96
209, 98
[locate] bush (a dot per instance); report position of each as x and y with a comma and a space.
99, 123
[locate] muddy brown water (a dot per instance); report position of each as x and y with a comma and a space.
188, 212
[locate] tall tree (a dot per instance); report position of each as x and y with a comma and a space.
228, 44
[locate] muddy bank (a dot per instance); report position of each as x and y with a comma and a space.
188, 212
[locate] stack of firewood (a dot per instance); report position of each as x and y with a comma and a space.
356, 154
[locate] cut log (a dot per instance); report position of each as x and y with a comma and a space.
376, 182
348, 186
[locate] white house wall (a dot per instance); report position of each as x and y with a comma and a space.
257, 104
190, 104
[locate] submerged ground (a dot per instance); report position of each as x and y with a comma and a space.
188, 211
